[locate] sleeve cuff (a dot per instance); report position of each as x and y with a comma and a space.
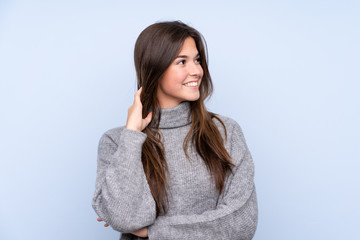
133, 137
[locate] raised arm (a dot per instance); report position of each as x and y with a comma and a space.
122, 195
235, 216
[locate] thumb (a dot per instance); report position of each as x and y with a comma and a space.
148, 118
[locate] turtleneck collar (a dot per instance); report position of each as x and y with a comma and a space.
174, 117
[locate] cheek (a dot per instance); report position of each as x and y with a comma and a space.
180, 76
201, 71
175, 78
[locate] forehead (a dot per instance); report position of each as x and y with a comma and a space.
189, 46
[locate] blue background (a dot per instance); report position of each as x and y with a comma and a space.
287, 71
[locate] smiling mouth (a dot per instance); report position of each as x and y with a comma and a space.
191, 84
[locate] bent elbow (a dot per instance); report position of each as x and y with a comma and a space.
124, 219
250, 228
251, 222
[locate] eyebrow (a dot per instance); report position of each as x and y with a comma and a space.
185, 56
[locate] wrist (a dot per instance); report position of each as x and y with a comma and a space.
133, 128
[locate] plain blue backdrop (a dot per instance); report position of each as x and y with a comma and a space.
287, 71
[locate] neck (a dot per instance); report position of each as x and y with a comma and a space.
176, 116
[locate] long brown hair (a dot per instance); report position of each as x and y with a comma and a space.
155, 49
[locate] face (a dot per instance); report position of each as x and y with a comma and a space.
181, 80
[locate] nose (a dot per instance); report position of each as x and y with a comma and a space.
195, 70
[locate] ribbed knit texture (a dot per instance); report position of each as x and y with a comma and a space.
196, 211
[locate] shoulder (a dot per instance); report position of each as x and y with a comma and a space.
235, 135
231, 124
112, 135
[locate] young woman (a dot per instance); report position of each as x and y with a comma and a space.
176, 170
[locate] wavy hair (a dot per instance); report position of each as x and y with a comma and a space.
155, 49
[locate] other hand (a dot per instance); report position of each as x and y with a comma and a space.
143, 232
100, 220
134, 118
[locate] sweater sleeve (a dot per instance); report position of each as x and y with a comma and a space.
235, 216
122, 195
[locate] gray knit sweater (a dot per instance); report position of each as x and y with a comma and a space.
196, 211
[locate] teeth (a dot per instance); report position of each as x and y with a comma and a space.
191, 84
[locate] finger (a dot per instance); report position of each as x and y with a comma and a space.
137, 96
148, 118
99, 219
138, 92
106, 225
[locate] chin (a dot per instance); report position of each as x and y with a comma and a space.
191, 99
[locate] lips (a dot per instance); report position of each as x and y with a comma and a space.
196, 79
191, 84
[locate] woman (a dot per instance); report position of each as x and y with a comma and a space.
175, 171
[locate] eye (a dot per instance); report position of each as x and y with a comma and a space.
182, 62
198, 60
